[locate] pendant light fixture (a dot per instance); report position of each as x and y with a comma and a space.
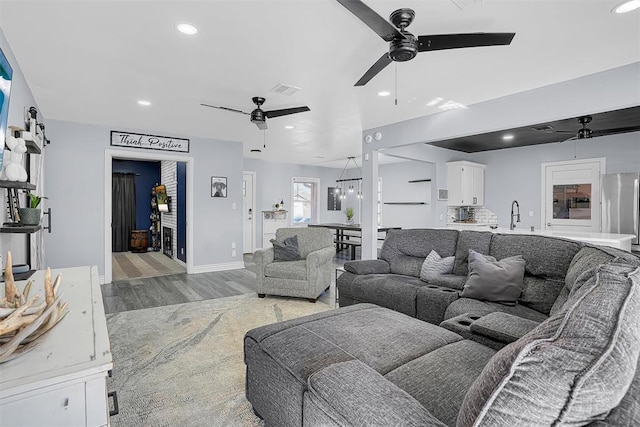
348, 185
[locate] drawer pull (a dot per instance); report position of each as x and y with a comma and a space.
114, 396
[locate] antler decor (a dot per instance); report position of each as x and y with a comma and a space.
22, 324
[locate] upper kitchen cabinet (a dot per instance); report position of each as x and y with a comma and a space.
465, 182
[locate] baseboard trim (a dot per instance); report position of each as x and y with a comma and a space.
217, 267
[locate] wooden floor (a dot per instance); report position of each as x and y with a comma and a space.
135, 294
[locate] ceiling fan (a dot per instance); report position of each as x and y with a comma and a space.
404, 46
259, 116
584, 132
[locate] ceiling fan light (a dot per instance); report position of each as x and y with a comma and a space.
507, 137
626, 6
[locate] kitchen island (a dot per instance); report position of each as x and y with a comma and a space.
620, 241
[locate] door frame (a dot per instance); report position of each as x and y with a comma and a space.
109, 155
543, 181
254, 215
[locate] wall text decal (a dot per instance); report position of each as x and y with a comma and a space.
149, 142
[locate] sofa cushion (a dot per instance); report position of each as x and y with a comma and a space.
540, 293
479, 241
565, 363
434, 265
493, 280
405, 250
286, 250
547, 257
482, 308
587, 258
439, 380
386, 290
367, 266
287, 270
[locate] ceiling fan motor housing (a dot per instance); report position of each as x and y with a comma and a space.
257, 116
401, 50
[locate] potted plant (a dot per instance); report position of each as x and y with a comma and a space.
349, 213
32, 214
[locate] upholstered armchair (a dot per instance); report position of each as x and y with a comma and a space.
307, 277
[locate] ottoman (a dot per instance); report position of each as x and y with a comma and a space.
281, 357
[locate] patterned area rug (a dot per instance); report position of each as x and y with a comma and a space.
182, 365
128, 265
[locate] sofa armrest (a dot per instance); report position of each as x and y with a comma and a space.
432, 302
262, 257
502, 327
352, 393
368, 266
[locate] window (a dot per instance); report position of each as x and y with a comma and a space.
572, 201
305, 200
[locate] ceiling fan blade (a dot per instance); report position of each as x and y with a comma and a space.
377, 23
225, 108
613, 131
384, 60
261, 125
457, 41
286, 111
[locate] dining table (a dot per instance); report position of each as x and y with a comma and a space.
343, 239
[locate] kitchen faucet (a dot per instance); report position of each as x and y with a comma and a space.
517, 215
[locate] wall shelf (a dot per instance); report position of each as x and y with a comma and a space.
405, 203
23, 229
419, 180
17, 184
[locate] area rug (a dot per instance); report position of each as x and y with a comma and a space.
182, 365
128, 265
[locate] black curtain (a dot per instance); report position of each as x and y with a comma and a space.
123, 210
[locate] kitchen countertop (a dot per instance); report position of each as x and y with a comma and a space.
621, 241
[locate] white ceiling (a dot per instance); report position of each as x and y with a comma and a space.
90, 61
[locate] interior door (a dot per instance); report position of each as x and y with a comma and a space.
571, 195
248, 181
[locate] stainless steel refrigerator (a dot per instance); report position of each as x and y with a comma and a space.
621, 204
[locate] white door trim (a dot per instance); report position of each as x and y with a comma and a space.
253, 204
109, 155
543, 178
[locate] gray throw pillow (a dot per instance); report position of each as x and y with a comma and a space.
286, 250
434, 266
492, 280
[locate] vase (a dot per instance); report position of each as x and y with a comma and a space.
29, 216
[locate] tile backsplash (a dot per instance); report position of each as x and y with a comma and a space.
480, 214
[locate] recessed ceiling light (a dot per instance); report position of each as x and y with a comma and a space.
507, 137
434, 102
186, 28
144, 103
626, 6
289, 127
384, 93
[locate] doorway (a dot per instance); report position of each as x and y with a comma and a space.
110, 155
248, 212
571, 195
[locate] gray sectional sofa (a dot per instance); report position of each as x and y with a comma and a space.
403, 351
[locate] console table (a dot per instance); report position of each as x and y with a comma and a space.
62, 381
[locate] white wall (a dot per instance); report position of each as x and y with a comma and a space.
76, 181
21, 98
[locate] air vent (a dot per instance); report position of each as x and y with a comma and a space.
284, 89
464, 3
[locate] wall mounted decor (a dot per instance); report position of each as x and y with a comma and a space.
218, 186
149, 142
334, 202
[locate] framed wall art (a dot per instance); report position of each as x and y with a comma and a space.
218, 186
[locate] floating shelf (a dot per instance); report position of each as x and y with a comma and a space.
20, 276
405, 203
419, 180
17, 184
24, 229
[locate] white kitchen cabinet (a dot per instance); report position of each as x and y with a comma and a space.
465, 182
62, 381
271, 221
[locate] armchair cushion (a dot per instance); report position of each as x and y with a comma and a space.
287, 270
286, 250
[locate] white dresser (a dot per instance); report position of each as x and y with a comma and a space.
271, 221
62, 381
